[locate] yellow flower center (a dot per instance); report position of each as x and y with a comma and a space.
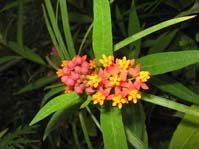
92, 64
98, 98
94, 80
124, 63
118, 101
134, 94
115, 80
143, 76
106, 61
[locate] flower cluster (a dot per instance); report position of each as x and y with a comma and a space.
116, 80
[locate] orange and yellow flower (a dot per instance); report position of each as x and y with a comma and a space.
117, 81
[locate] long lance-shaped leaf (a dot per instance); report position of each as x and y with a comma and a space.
85, 131
134, 139
102, 30
189, 126
113, 129
55, 28
52, 35
63, 101
168, 61
134, 119
58, 117
133, 27
38, 84
170, 104
149, 30
169, 85
66, 27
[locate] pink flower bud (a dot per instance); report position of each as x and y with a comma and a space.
78, 60
77, 69
89, 90
75, 76
70, 82
66, 71
85, 64
84, 70
71, 64
64, 79
78, 89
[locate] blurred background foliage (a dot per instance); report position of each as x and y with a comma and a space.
25, 46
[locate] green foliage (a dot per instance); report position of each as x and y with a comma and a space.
92, 28
102, 31
170, 104
16, 139
168, 61
57, 103
148, 31
113, 128
186, 135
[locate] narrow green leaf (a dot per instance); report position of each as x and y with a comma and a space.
83, 125
173, 87
190, 11
25, 52
160, 44
150, 30
8, 58
51, 93
63, 101
59, 84
38, 84
84, 39
187, 133
134, 118
102, 29
85, 104
93, 118
51, 63
134, 140
133, 28
170, 104
66, 27
58, 117
52, 35
56, 30
168, 61
113, 129
79, 17
12, 4
120, 20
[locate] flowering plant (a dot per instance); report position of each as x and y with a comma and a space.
107, 80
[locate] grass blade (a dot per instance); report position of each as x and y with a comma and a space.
83, 125
160, 63
56, 30
173, 87
133, 28
170, 104
63, 101
66, 27
150, 30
